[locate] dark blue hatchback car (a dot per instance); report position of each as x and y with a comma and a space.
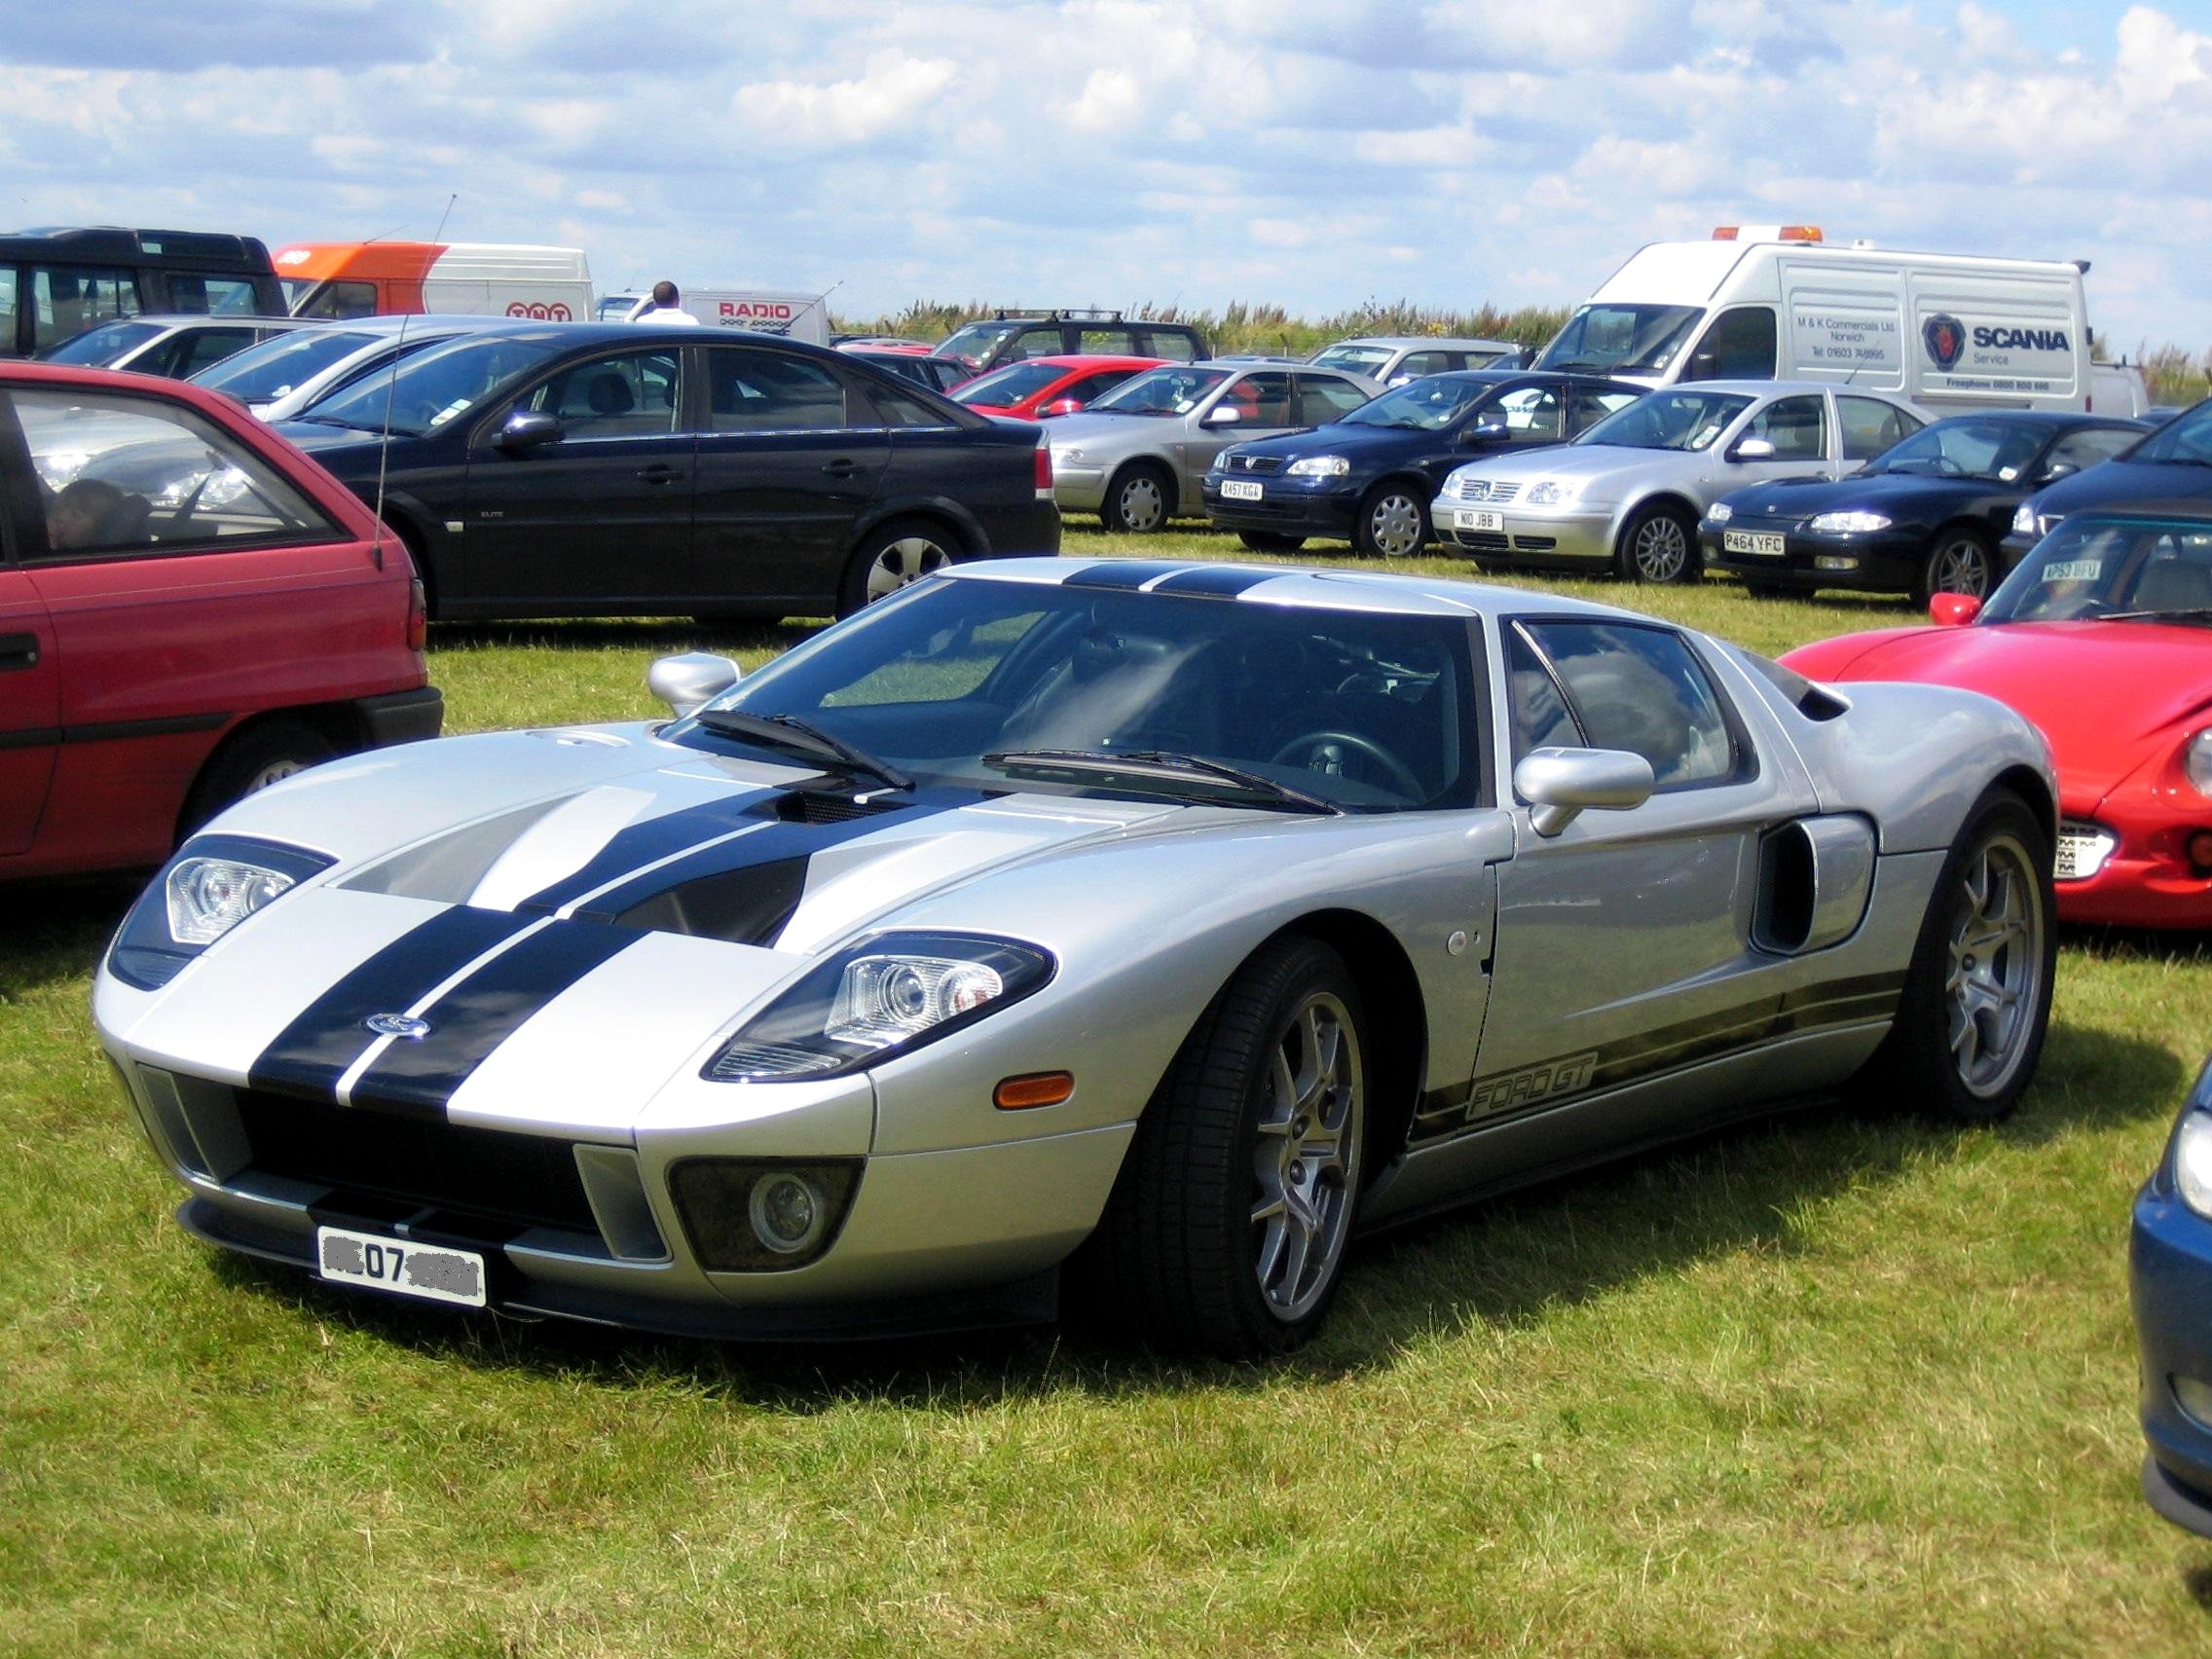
2174, 463
2170, 1276
1369, 476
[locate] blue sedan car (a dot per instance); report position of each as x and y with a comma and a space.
2170, 1260
1369, 476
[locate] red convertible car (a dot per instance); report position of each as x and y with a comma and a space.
2103, 637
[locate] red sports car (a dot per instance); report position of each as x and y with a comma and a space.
2103, 637
1039, 387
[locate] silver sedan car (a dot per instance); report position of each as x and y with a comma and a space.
1138, 457
1629, 493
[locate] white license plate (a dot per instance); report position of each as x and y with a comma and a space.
1239, 490
1752, 541
1465, 519
430, 1271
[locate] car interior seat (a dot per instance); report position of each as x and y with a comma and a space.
2171, 583
610, 395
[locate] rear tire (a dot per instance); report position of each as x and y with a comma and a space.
1976, 1001
251, 760
1226, 1231
1392, 523
1140, 498
893, 555
1659, 544
1269, 542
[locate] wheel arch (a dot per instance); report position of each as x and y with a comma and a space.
2032, 789
1154, 462
936, 510
341, 723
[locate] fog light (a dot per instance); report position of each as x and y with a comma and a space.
2194, 1398
761, 1215
1835, 562
2200, 851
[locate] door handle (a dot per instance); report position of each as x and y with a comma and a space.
660, 472
842, 467
18, 651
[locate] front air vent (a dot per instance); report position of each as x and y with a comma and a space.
814, 806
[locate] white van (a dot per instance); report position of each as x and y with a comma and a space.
1948, 331
799, 316
396, 278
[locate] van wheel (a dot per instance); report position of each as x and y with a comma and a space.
1659, 544
901, 552
1958, 561
1139, 501
252, 760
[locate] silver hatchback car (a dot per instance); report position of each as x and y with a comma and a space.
1629, 491
1138, 457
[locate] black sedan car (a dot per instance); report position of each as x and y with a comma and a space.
596, 469
1369, 476
1926, 516
938, 374
2174, 463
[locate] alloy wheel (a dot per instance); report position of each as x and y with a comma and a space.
1993, 981
1960, 565
1660, 550
1305, 1155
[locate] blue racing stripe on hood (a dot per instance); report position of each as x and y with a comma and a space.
1121, 573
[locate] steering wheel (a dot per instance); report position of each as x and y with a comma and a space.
1299, 751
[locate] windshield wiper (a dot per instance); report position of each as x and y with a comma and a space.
2181, 613
1157, 768
333, 421
795, 736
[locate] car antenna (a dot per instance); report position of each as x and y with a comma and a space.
391, 390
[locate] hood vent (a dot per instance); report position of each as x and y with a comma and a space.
809, 806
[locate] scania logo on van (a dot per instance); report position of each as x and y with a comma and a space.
537, 311
1946, 338
2022, 340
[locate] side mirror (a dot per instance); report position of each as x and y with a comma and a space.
1060, 406
2057, 470
1953, 609
527, 429
1752, 449
1488, 432
1223, 414
685, 682
1559, 784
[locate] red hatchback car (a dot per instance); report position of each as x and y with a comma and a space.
2103, 637
190, 608
1037, 387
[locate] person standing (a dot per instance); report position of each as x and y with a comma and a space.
664, 306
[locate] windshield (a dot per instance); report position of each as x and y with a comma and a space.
421, 393
1366, 710
1675, 419
1162, 391
264, 372
1967, 445
1010, 385
1359, 359
103, 344
1617, 339
2095, 565
2183, 441
1427, 405
974, 342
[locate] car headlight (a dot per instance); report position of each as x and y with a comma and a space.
1721, 512
1848, 524
1320, 466
212, 885
2196, 761
2024, 521
1553, 492
878, 998
2193, 1160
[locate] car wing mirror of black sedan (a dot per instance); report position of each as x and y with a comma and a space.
1559, 784
1488, 432
527, 429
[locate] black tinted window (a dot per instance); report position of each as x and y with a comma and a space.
68, 301
767, 392
1870, 425
1739, 346
633, 394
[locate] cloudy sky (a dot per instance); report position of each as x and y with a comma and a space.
1312, 153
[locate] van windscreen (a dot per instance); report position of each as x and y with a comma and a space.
1620, 339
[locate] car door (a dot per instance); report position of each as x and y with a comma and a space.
31, 694
790, 455
1624, 941
1801, 433
1266, 408
601, 513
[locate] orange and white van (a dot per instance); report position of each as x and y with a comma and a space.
384, 278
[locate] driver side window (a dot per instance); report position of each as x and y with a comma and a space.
1797, 428
1620, 686
632, 394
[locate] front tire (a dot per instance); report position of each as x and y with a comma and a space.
1226, 1228
249, 761
891, 556
1958, 561
1392, 523
1977, 998
1140, 498
1659, 544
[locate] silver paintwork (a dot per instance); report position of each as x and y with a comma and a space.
1615, 483
1517, 948
1559, 784
685, 682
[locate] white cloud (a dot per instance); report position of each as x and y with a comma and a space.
891, 95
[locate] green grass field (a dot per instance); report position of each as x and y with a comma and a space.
1841, 1382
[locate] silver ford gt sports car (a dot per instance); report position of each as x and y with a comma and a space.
1120, 934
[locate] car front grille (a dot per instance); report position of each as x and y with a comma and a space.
495, 1173
1481, 540
1487, 489
1255, 464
